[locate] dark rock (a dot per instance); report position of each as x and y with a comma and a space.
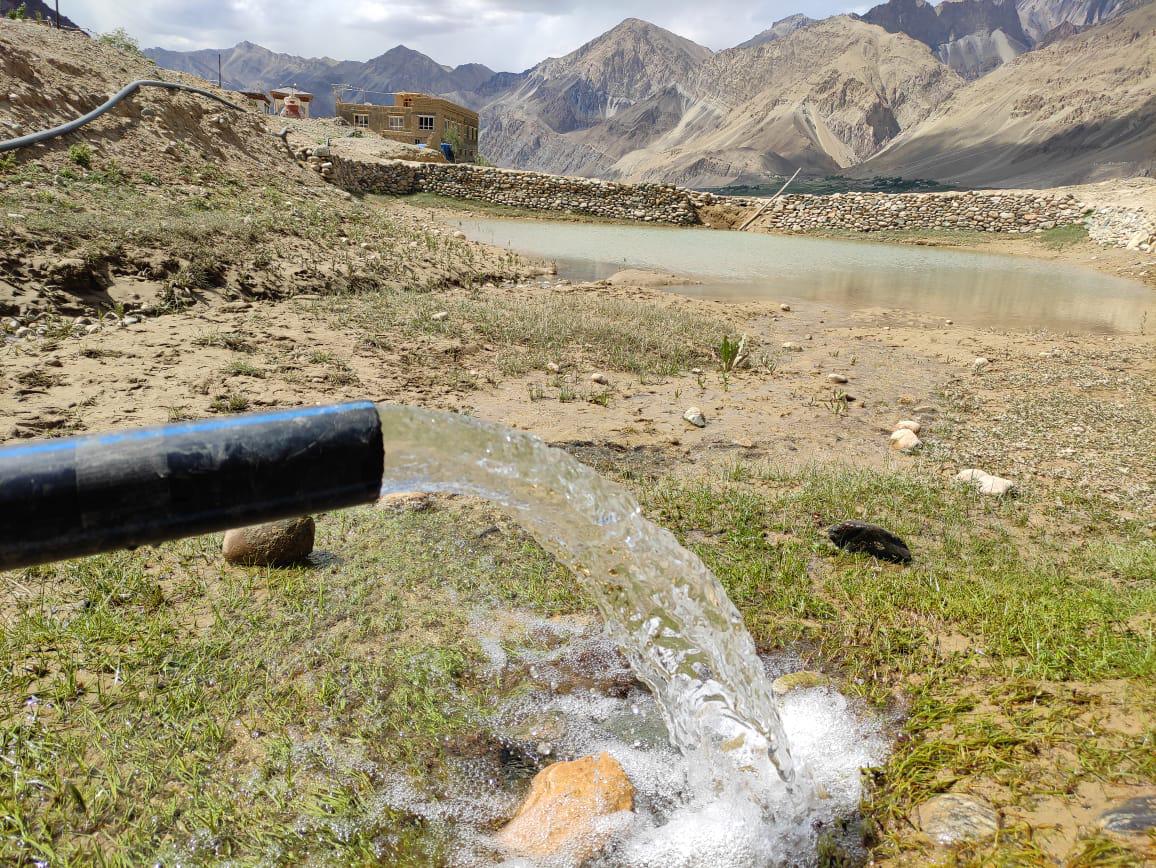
1135, 816
870, 539
277, 544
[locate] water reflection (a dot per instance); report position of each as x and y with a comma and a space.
974, 288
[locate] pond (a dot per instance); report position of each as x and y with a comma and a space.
978, 289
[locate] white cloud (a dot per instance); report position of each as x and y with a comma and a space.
503, 34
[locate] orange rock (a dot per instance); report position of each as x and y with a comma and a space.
563, 814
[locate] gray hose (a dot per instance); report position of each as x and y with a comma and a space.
124, 93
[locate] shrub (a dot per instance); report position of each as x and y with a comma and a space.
121, 41
80, 155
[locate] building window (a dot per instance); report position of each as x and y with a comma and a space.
361, 120
425, 122
397, 122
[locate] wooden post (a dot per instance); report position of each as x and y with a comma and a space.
57, 14
763, 208
219, 82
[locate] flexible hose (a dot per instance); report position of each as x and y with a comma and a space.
124, 93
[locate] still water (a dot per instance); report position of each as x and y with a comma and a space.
978, 289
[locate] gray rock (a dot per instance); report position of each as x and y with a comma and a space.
905, 441
599, 378
441, 316
1134, 817
952, 819
836, 378
277, 544
695, 417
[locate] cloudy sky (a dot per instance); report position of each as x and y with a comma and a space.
503, 34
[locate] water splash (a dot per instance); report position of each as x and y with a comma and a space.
672, 619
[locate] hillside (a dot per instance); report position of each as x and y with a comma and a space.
34, 8
1083, 109
1041, 17
247, 66
823, 97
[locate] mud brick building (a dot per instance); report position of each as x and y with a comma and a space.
418, 119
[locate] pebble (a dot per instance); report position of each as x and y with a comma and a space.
459, 235
905, 441
22, 332
600, 378
951, 819
695, 417
908, 425
980, 363
985, 483
836, 378
784, 307
441, 316
553, 367
870, 539
276, 544
792, 347
696, 371
1134, 817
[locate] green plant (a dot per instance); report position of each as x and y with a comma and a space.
120, 40
229, 403
80, 155
7, 163
20, 13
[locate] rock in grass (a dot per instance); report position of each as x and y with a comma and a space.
985, 483
565, 816
908, 425
695, 417
277, 544
870, 539
952, 819
441, 316
905, 440
1134, 817
793, 681
600, 378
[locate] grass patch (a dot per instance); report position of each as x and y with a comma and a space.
1063, 236
531, 331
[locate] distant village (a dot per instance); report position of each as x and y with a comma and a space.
406, 117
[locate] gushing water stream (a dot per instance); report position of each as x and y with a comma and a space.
672, 619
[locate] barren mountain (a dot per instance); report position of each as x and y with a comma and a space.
1040, 17
247, 66
973, 37
782, 27
538, 119
1082, 109
824, 97
35, 8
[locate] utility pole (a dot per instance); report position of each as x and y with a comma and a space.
219, 82
57, 14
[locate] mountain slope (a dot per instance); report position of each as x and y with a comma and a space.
1040, 17
537, 119
1083, 109
824, 97
247, 66
973, 37
782, 27
32, 8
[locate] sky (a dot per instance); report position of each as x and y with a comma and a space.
506, 35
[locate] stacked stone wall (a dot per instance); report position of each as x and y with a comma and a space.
982, 211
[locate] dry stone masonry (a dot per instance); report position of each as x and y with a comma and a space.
982, 211
651, 203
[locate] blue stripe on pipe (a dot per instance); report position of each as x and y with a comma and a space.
17, 452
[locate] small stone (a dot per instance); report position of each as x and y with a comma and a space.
696, 371
836, 378
92, 329
236, 306
792, 347
870, 539
441, 316
600, 378
130, 320
1134, 817
949, 322
908, 425
695, 417
952, 819
564, 816
406, 501
785, 308
22, 332
985, 483
277, 544
553, 367
905, 441
785, 684
459, 235
980, 363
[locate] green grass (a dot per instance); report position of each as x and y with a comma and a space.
530, 331
1063, 236
188, 711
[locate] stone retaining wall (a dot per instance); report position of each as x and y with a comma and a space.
984, 211
987, 211
651, 203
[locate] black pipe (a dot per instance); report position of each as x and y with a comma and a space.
113, 101
82, 495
